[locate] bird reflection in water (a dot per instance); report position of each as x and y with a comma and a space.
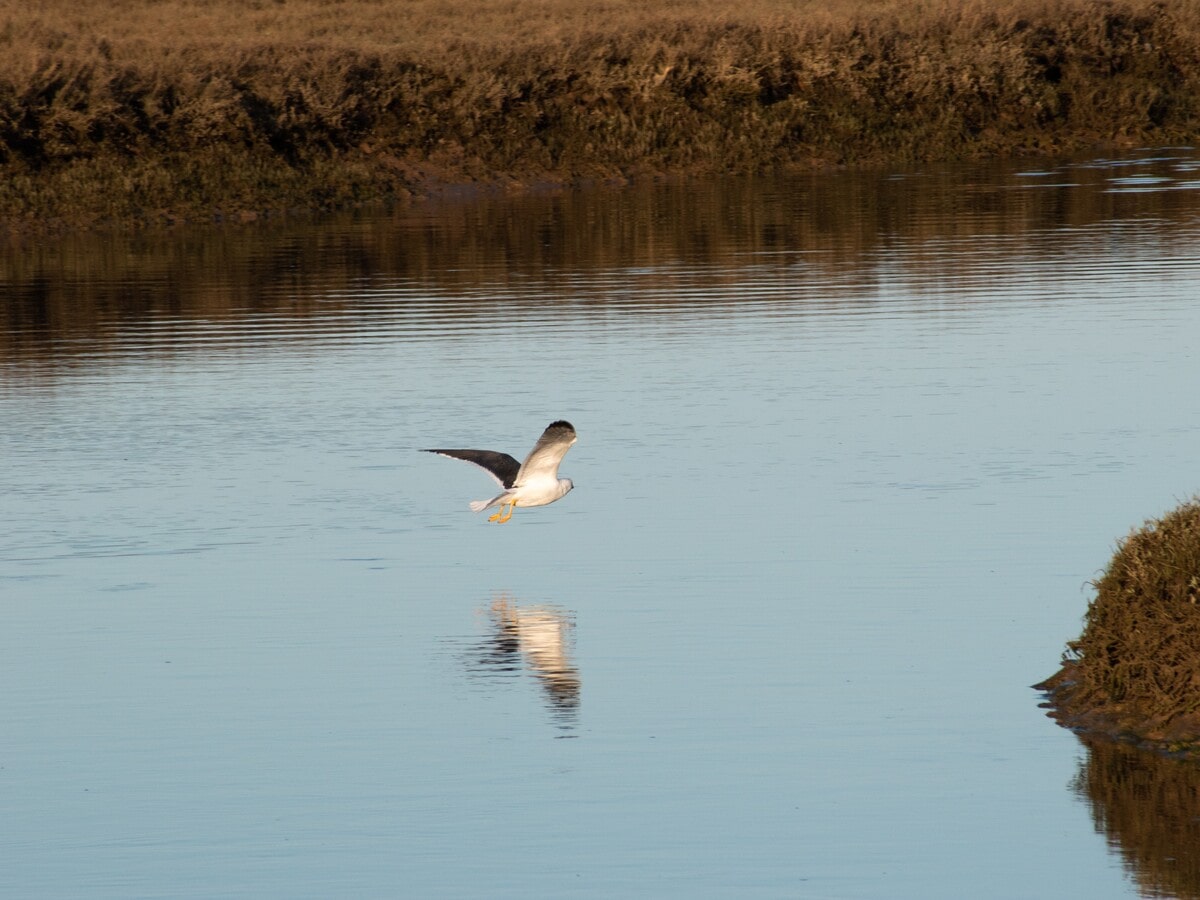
537, 637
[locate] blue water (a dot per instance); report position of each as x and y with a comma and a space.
850, 450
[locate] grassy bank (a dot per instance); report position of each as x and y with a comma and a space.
152, 109
1134, 673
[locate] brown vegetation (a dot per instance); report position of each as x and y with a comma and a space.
162, 108
1134, 673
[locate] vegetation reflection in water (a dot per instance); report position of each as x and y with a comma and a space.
463, 263
1145, 805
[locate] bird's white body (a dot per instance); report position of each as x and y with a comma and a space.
533, 492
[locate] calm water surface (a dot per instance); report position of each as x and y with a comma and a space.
850, 449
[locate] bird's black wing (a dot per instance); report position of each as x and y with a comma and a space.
500, 466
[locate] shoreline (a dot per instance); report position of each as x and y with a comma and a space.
143, 127
386, 191
1175, 738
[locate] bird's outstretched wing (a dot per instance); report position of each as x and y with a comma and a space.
547, 453
500, 466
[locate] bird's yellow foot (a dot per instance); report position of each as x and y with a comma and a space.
502, 517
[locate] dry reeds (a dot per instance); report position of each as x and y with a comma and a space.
1135, 670
140, 108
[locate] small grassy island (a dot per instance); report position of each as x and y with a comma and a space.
160, 110
1134, 673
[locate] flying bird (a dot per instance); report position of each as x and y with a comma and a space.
534, 482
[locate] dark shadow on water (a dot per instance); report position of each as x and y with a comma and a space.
531, 639
1148, 807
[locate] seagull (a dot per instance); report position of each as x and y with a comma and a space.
534, 482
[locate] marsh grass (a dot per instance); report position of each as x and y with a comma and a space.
1135, 670
162, 108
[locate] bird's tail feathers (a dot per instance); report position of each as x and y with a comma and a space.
481, 505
